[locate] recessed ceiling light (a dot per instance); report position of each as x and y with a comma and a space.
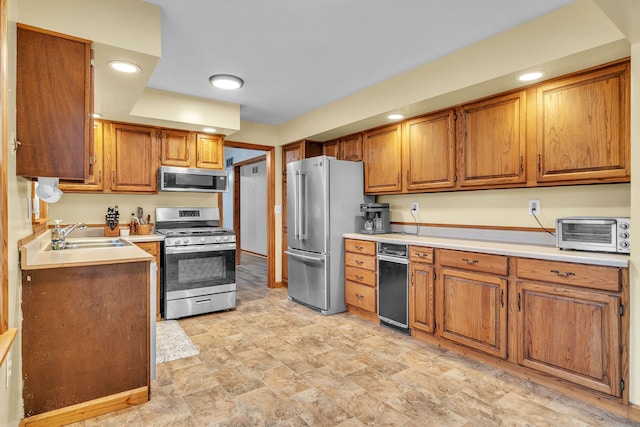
534, 75
124, 67
209, 130
226, 81
395, 116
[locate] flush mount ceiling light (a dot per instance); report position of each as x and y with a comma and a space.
208, 130
395, 116
226, 81
124, 67
533, 75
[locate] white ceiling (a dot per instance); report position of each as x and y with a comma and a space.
298, 55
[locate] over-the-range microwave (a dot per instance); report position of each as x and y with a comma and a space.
591, 233
172, 178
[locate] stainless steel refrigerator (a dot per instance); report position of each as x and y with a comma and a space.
323, 202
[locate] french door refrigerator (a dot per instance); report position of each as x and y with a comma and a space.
323, 202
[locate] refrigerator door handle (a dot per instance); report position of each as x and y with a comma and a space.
302, 208
305, 257
296, 207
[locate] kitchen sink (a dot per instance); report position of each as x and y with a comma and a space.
95, 243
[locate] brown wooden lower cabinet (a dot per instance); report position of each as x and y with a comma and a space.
559, 323
472, 310
85, 334
360, 290
570, 334
153, 248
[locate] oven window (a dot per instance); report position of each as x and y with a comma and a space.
199, 270
592, 233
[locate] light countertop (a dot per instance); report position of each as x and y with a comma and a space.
500, 248
36, 254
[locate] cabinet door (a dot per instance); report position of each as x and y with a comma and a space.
331, 149
53, 93
210, 151
422, 298
153, 248
351, 148
382, 160
175, 148
491, 140
134, 158
429, 152
472, 310
583, 127
570, 334
96, 165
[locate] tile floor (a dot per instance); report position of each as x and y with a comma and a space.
271, 362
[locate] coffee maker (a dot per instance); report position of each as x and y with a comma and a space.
376, 218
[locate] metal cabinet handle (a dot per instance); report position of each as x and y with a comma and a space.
501, 298
468, 261
567, 274
359, 262
358, 247
359, 277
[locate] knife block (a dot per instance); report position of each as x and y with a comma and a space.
108, 232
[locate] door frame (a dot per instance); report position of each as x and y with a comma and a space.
236, 197
271, 221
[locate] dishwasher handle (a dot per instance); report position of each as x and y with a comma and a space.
394, 259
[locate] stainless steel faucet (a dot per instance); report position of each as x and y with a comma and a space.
68, 229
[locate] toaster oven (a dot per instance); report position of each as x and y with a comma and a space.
598, 234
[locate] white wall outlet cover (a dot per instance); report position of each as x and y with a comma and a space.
277, 209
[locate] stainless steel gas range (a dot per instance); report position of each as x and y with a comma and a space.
198, 265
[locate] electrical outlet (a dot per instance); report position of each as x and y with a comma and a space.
534, 207
415, 207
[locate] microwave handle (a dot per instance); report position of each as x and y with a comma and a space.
588, 221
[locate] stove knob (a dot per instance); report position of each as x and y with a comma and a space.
624, 235
187, 240
624, 244
202, 240
218, 239
226, 238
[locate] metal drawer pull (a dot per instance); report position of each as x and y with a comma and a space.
468, 261
359, 296
359, 262
359, 277
567, 274
358, 247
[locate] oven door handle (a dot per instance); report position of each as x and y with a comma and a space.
171, 250
305, 257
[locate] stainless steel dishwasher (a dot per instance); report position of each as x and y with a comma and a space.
393, 294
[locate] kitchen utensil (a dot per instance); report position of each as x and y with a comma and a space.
140, 218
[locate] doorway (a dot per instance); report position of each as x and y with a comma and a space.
268, 156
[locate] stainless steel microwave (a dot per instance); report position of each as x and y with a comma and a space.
171, 178
598, 234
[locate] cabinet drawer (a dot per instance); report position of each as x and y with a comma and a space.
496, 264
360, 246
366, 277
585, 276
361, 261
420, 254
150, 247
361, 296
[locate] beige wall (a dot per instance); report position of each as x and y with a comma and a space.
509, 208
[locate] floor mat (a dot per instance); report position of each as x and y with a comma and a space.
172, 342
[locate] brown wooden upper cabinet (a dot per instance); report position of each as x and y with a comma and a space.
95, 181
54, 131
492, 141
429, 152
582, 126
382, 155
176, 147
209, 151
133, 158
346, 148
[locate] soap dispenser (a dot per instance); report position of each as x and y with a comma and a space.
57, 237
